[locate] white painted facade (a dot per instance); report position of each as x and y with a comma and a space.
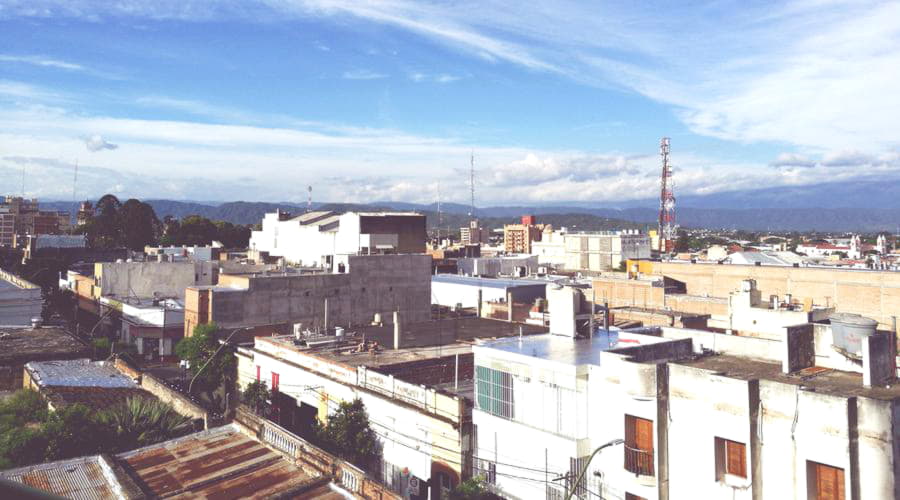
313, 238
416, 425
778, 423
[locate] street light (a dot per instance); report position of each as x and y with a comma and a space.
588, 463
191, 385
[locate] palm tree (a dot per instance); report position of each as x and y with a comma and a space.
142, 421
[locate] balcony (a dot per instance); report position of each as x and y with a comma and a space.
638, 461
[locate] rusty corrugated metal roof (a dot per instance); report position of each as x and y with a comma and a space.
79, 478
217, 464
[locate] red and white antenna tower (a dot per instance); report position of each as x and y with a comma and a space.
666, 201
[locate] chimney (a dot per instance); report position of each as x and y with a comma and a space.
478, 311
509, 306
879, 353
397, 330
798, 349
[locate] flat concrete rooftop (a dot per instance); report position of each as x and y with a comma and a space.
820, 380
419, 341
46, 343
486, 282
569, 351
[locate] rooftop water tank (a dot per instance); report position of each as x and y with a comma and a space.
848, 330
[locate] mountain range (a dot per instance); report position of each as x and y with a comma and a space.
863, 206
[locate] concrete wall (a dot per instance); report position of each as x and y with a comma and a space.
623, 293
875, 294
704, 407
372, 284
143, 279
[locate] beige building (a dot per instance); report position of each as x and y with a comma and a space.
874, 294
474, 234
27, 219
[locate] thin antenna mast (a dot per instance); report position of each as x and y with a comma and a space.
472, 184
440, 213
75, 192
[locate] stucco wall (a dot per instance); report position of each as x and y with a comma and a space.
875, 294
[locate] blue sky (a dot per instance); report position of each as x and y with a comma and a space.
365, 101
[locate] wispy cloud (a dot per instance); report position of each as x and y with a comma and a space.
420, 77
362, 74
41, 61
10, 89
815, 74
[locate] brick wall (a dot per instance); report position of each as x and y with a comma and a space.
432, 371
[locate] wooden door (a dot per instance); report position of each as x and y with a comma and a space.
829, 482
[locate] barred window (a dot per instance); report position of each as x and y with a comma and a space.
494, 392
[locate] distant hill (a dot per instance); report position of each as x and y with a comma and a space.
871, 206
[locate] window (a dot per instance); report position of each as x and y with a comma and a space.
639, 445
731, 459
487, 470
494, 392
275, 380
824, 482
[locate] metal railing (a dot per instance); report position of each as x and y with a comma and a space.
639, 461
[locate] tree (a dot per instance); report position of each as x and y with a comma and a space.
256, 395
349, 435
683, 242
72, 431
232, 236
141, 421
195, 230
170, 228
140, 227
199, 349
106, 227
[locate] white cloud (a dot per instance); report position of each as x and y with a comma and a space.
96, 143
792, 160
363, 74
167, 158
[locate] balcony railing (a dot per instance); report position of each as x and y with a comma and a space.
639, 461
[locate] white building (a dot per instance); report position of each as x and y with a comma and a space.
551, 250
603, 251
699, 415
313, 238
20, 300
595, 251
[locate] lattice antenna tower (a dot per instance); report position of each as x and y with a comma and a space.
666, 201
